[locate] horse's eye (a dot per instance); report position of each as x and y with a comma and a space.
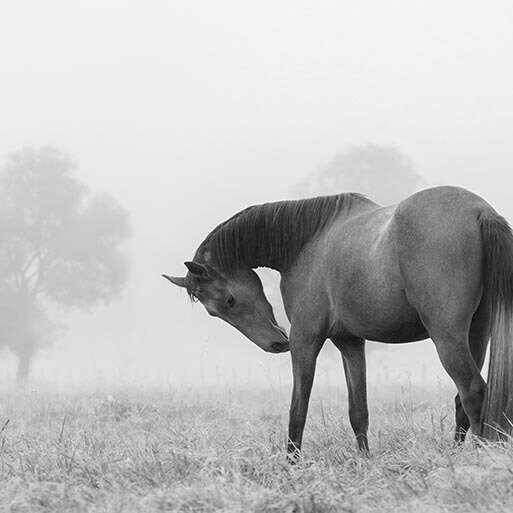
230, 300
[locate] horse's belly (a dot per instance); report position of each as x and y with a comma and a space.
409, 331
395, 322
365, 287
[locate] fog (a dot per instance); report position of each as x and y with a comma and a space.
187, 112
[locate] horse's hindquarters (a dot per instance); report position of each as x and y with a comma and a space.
439, 252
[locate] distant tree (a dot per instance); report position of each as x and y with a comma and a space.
59, 248
383, 173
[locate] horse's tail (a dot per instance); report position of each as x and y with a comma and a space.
497, 240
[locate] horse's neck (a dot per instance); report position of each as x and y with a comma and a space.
280, 243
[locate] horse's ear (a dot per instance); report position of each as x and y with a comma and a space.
180, 282
198, 270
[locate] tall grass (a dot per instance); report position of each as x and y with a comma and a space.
221, 449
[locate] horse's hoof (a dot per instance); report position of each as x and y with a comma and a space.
293, 457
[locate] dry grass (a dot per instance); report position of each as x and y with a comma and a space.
222, 450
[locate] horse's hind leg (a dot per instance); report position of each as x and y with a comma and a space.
454, 353
478, 341
353, 358
440, 258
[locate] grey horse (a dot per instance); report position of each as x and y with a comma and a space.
439, 264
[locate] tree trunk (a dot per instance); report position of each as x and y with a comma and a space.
22, 374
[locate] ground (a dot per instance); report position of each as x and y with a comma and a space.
221, 449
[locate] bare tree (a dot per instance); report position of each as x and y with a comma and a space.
60, 247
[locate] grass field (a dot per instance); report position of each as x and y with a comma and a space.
222, 450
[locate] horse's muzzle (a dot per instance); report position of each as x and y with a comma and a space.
279, 347
282, 344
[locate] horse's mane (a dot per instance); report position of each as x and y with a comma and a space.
272, 234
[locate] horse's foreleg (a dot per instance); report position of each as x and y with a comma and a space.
304, 351
353, 358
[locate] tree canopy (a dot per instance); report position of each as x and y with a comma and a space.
60, 246
383, 173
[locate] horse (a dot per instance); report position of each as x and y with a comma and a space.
437, 265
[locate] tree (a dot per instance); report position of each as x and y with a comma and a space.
383, 173
60, 247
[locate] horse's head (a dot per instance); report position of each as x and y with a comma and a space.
238, 298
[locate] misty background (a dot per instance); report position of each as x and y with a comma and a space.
186, 112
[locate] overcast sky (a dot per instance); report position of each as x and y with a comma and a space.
188, 111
